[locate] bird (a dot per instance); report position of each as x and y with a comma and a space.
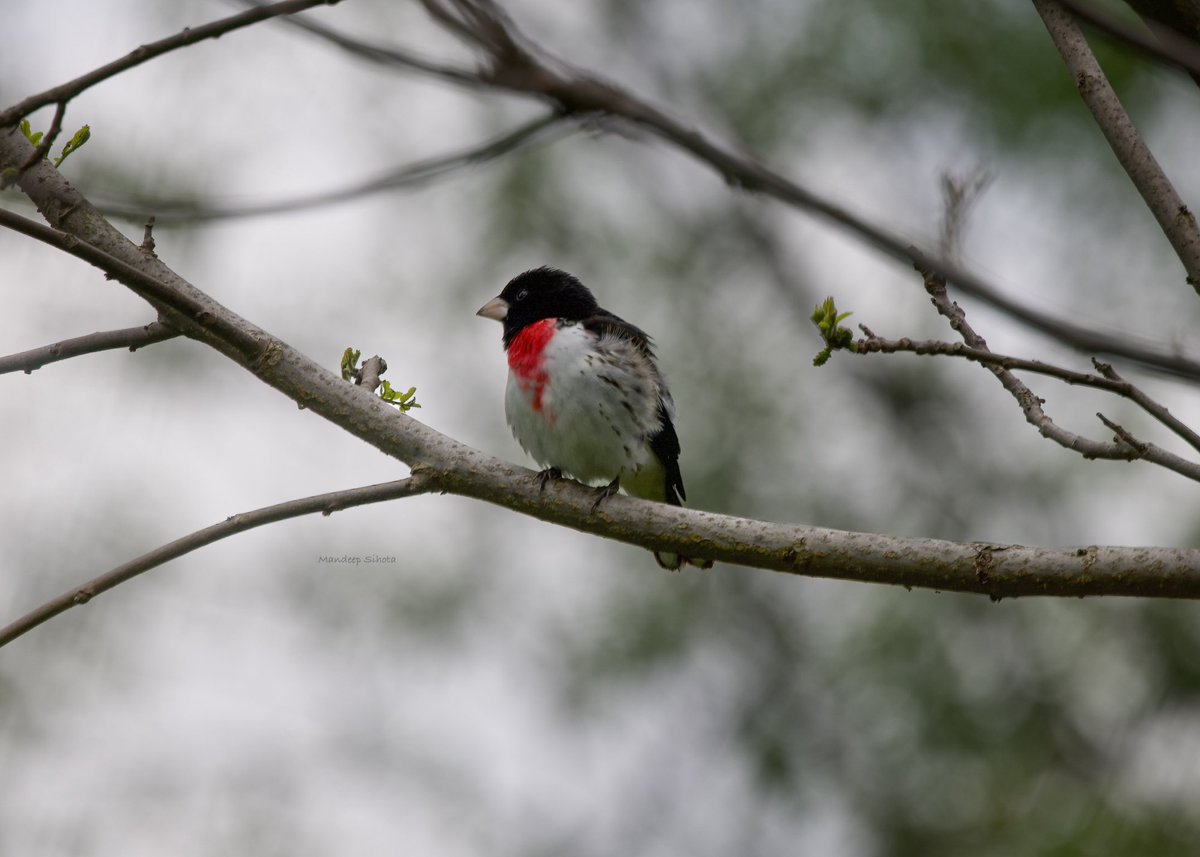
585, 397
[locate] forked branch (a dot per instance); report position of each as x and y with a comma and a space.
1123, 448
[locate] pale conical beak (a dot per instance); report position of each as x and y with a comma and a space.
496, 309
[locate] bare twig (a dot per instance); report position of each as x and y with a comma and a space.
1105, 377
148, 236
1123, 436
543, 130
370, 372
388, 56
1031, 405
47, 141
484, 23
167, 297
66, 91
1174, 218
326, 504
959, 195
132, 338
1156, 410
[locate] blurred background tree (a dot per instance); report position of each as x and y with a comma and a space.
508, 688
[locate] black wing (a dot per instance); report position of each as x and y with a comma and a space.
665, 445
665, 442
603, 321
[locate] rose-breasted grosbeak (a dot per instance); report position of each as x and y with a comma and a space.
584, 395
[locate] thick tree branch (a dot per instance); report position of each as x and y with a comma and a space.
132, 338
190, 35
326, 504
444, 464
1174, 218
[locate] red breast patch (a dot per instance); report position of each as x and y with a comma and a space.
525, 357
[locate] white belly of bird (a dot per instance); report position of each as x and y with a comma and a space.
590, 410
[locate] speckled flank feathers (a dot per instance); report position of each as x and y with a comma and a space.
584, 394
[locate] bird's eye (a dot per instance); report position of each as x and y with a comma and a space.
521, 295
